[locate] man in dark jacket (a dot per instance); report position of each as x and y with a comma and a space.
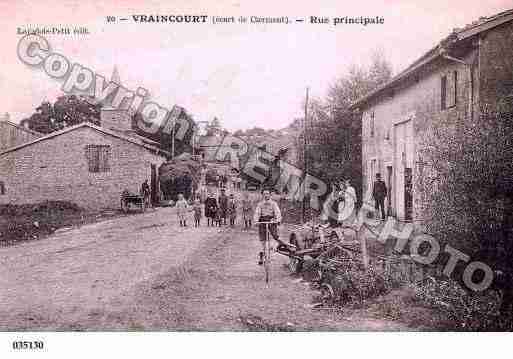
223, 205
145, 192
379, 192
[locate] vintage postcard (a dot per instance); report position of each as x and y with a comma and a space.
237, 166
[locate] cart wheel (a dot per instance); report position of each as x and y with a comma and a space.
318, 276
295, 265
327, 292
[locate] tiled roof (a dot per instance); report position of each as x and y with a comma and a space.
458, 34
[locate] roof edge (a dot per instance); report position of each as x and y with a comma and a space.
456, 36
81, 125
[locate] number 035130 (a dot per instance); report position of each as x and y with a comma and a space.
27, 345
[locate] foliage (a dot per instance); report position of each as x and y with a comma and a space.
334, 132
178, 176
350, 282
359, 81
467, 310
366, 284
165, 138
467, 185
68, 110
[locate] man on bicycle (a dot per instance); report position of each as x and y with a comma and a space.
267, 210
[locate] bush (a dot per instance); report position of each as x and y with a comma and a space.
469, 311
14, 210
351, 284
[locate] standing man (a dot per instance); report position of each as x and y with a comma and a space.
223, 205
145, 192
267, 210
379, 192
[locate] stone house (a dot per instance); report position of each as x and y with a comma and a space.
85, 164
12, 134
462, 75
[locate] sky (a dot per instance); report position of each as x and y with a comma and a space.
245, 74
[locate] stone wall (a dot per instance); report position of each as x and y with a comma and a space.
12, 135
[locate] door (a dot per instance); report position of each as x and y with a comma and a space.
403, 163
154, 185
389, 190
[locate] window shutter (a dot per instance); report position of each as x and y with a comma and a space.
443, 92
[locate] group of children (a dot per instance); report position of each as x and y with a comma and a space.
216, 210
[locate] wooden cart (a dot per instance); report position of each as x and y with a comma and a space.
130, 199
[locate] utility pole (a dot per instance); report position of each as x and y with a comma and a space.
193, 140
173, 142
305, 162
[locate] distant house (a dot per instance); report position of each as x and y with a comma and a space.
85, 164
466, 72
12, 134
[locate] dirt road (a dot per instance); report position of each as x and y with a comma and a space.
144, 272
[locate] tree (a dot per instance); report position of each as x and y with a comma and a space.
359, 81
68, 110
334, 132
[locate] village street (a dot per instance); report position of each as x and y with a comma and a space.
144, 272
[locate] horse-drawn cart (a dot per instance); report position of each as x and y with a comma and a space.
129, 200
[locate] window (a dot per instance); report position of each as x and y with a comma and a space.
2, 188
98, 158
372, 124
449, 91
443, 93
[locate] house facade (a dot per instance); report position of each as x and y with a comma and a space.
84, 164
464, 74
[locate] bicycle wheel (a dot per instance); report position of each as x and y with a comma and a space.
267, 258
295, 265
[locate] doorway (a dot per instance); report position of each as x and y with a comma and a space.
154, 185
404, 151
408, 194
389, 191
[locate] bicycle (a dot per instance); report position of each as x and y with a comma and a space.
267, 250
